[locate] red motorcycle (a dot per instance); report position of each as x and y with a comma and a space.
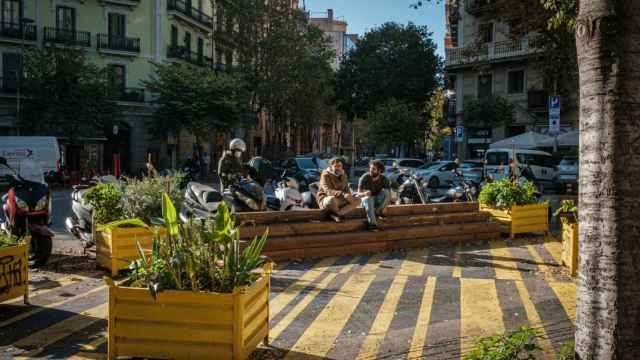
27, 209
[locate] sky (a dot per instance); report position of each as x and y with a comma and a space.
362, 15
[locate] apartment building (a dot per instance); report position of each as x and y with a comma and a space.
483, 60
123, 35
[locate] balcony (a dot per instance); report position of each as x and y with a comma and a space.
476, 7
12, 32
118, 44
185, 54
136, 95
67, 37
129, 3
494, 52
184, 10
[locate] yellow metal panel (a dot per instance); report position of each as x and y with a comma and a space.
252, 326
163, 350
570, 247
252, 343
174, 297
254, 310
530, 228
14, 272
174, 312
173, 332
255, 292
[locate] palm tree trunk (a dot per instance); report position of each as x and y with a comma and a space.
608, 311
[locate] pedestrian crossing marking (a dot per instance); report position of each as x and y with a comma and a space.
422, 325
542, 265
61, 282
291, 292
383, 319
533, 317
89, 350
480, 312
319, 337
457, 270
504, 269
555, 249
414, 263
566, 294
50, 306
39, 340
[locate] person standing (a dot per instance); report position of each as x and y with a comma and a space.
230, 167
334, 194
373, 188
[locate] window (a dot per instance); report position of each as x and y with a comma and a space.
174, 35
448, 167
187, 40
485, 86
411, 163
66, 18
11, 12
117, 79
516, 82
117, 23
497, 158
486, 32
536, 160
451, 82
10, 70
200, 49
454, 34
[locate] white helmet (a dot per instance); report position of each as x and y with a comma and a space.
237, 145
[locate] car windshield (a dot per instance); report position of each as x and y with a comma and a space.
388, 162
432, 166
308, 163
470, 165
569, 162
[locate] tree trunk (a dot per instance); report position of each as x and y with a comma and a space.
608, 310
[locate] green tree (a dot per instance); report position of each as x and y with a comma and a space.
490, 112
67, 95
199, 101
394, 123
391, 61
437, 126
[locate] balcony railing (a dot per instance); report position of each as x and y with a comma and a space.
12, 30
132, 95
123, 2
118, 43
184, 53
67, 37
479, 6
493, 52
184, 8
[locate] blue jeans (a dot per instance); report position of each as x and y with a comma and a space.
375, 204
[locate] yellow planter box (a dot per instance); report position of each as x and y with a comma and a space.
570, 246
521, 219
117, 248
14, 272
186, 324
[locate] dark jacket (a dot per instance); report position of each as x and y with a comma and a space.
230, 169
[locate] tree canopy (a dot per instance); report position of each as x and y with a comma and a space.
394, 123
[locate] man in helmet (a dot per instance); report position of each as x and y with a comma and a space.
230, 167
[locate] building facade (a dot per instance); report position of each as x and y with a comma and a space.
483, 61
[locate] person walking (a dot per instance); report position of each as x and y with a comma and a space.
373, 188
334, 195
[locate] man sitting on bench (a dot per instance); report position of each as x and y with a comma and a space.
334, 195
373, 187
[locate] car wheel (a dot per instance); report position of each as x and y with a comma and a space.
434, 182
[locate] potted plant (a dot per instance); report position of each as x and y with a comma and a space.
120, 213
514, 206
568, 213
197, 295
14, 267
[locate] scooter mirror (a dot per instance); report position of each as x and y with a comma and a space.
3, 161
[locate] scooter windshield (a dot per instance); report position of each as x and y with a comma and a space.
30, 171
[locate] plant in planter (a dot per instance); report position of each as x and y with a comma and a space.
198, 294
568, 213
14, 272
515, 206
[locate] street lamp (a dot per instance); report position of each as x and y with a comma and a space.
23, 22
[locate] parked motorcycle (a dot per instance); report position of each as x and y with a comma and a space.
460, 190
413, 191
309, 198
286, 196
27, 209
245, 195
79, 224
200, 202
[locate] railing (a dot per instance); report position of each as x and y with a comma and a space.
120, 43
12, 30
493, 51
132, 95
67, 37
184, 53
478, 6
182, 7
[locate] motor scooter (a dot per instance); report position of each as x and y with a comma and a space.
201, 202
27, 209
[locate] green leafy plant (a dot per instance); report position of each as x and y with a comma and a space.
519, 345
141, 199
106, 202
504, 193
567, 351
568, 211
198, 256
7, 240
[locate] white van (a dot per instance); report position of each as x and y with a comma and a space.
542, 163
44, 150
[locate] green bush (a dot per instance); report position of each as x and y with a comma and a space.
142, 199
198, 256
504, 193
7, 240
568, 210
567, 351
105, 199
519, 345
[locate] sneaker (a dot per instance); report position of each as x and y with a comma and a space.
335, 218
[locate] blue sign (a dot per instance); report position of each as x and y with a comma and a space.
554, 114
459, 131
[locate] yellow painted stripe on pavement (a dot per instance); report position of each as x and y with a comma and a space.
480, 310
566, 293
422, 325
287, 295
39, 340
50, 306
505, 269
414, 263
319, 337
88, 356
88, 350
555, 249
63, 281
381, 323
457, 270
545, 269
534, 318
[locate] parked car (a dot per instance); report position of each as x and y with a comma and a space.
542, 164
401, 163
567, 174
305, 170
437, 173
472, 170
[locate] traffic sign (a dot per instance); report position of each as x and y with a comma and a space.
554, 114
459, 131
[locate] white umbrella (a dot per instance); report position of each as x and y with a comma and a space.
528, 140
569, 138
